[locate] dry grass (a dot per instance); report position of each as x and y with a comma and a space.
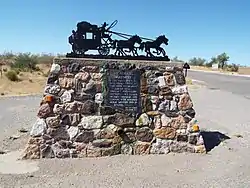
30, 83
244, 70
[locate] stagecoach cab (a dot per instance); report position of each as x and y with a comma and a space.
91, 39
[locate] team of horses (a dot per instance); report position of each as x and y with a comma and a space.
121, 45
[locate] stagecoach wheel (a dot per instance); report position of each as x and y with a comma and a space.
104, 50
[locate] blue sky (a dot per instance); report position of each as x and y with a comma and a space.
194, 27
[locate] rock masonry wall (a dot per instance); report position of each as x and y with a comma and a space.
72, 120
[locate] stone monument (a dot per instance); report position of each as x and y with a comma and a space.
94, 108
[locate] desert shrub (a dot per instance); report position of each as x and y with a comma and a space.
12, 75
45, 59
233, 68
25, 62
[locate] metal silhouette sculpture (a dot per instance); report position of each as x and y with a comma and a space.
119, 45
156, 44
91, 37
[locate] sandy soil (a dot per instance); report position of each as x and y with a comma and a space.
30, 83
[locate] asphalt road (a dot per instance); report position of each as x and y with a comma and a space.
234, 84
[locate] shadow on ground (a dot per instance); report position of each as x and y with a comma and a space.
213, 139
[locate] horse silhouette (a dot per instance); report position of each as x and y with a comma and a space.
119, 45
156, 44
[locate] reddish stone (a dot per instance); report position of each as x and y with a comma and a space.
169, 79
44, 111
178, 122
141, 148
67, 81
83, 76
185, 102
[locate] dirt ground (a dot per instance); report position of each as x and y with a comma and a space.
30, 83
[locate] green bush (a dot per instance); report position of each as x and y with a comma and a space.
12, 75
25, 62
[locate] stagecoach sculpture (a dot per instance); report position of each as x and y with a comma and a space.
91, 37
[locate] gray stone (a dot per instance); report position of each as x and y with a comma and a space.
165, 120
58, 109
157, 122
85, 137
153, 89
144, 134
38, 128
200, 141
91, 122
55, 68
108, 132
129, 129
102, 143
127, 149
74, 119
53, 122
73, 131
66, 96
47, 152
159, 149
180, 147
89, 107
143, 120
180, 89
98, 98
52, 89
59, 151
129, 137
173, 106
59, 133
121, 120
162, 81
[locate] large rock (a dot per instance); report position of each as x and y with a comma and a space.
144, 134
165, 132
185, 102
91, 122
39, 128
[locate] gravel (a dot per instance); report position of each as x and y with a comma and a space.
224, 166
